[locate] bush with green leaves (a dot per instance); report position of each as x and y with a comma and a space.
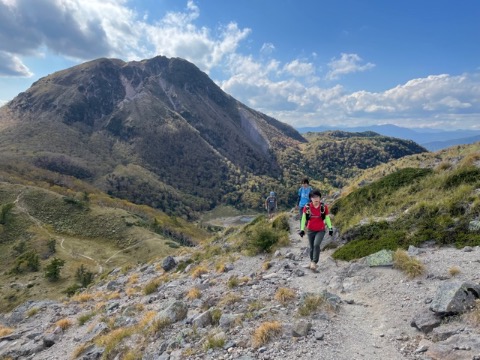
27, 261
262, 236
5, 212
83, 276
52, 270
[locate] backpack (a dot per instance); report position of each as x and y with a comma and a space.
307, 211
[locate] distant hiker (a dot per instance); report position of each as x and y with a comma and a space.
271, 204
315, 217
303, 196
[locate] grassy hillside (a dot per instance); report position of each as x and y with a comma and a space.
335, 157
46, 216
421, 198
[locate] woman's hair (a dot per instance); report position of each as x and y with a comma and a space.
305, 181
315, 192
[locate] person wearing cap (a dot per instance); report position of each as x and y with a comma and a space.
315, 217
271, 204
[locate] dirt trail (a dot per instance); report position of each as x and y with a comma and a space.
373, 322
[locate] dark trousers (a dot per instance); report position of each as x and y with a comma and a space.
315, 239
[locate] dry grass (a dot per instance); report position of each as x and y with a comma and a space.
194, 293
84, 318
454, 270
147, 319
312, 303
409, 265
112, 339
4, 331
32, 312
266, 265
130, 291
83, 297
229, 299
221, 267
214, 341
159, 324
199, 271
113, 296
233, 282
284, 295
64, 324
151, 286
79, 350
265, 332
133, 279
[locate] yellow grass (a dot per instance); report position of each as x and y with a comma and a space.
284, 295
64, 324
454, 270
4, 331
265, 332
199, 271
82, 297
194, 293
409, 265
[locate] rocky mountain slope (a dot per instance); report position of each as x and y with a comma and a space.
151, 131
233, 306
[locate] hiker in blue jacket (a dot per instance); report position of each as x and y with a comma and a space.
303, 196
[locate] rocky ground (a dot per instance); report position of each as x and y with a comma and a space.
367, 312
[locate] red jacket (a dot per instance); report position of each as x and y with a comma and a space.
316, 222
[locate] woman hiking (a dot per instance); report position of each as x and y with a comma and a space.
315, 217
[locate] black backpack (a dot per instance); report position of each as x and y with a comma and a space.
307, 211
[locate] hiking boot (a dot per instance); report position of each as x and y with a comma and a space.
313, 266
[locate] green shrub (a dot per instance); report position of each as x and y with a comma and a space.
52, 270
371, 238
281, 223
27, 261
465, 175
263, 240
379, 189
5, 212
72, 290
83, 276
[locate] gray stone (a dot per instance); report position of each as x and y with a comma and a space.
457, 347
169, 263
455, 297
49, 340
92, 353
301, 328
203, 320
426, 321
380, 258
299, 272
176, 311
112, 285
227, 320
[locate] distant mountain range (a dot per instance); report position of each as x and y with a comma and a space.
431, 139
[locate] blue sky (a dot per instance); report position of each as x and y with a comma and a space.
411, 63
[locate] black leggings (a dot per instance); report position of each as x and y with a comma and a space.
315, 238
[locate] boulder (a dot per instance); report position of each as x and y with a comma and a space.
455, 297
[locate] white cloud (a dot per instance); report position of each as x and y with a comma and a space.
299, 69
347, 64
11, 65
292, 90
267, 49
